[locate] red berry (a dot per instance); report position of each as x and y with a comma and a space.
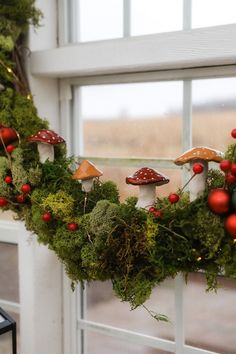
25, 188
233, 133
233, 169
173, 198
20, 198
198, 168
10, 148
230, 178
72, 226
225, 165
157, 214
46, 216
152, 209
3, 202
8, 179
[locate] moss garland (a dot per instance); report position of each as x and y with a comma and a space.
114, 240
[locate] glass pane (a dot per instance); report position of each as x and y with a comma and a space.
207, 13
155, 16
132, 120
101, 344
105, 308
101, 19
9, 282
214, 112
210, 317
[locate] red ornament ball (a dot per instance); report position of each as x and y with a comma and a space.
230, 178
8, 179
20, 198
225, 165
3, 202
47, 216
218, 201
233, 169
10, 148
173, 198
26, 188
198, 168
233, 133
72, 226
230, 225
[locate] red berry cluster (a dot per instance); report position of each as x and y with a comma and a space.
230, 171
156, 213
47, 216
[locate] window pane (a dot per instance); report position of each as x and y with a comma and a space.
101, 344
132, 120
155, 16
210, 317
9, 287
101, 19
214, 112
207, 13
105, 308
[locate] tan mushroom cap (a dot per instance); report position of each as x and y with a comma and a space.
199, 153
86, 170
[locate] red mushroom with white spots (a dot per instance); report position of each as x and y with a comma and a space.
147, 179
46, 139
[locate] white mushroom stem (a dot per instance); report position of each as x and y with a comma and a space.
198, 184
46, 152
87, 185
147, 196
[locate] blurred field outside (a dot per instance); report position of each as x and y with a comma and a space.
154, 138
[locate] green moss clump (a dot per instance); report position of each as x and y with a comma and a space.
19, 174
60, 204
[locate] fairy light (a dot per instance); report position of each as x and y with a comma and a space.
234, 241
199, 259
11, 72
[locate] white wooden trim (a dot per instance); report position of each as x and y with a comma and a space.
126, 18
63, 27
69, 317
179, 314
129, 336
165, 51
131, 162
194, 350
9, 231
187, 14
165, 75
10, 306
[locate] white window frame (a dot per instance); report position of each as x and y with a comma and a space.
186, 55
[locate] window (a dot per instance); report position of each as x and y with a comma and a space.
93, 20
181, 81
